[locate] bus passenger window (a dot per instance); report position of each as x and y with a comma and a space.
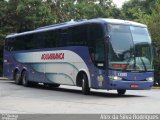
63, 37
78, 36
50, 39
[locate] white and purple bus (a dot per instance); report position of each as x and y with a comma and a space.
99, 53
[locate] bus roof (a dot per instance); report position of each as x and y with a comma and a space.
79, 22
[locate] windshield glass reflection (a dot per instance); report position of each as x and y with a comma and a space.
130, 48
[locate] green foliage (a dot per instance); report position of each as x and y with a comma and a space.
3, 30
31, 14
134, 9
154, 25
65, 10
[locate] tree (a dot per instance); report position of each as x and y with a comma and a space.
65, 10
154, 24
22, 15
134, 9
3, 30
31, 14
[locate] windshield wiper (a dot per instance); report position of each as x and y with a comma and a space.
143, 64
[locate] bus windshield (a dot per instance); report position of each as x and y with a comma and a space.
130, 48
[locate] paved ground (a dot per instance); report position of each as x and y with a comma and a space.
66, 99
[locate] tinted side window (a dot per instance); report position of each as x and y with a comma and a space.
10, 44
78, 36
95, 33
19, 43
39, 40
29, 42
7, 44
51, 39
47, 39
63, 37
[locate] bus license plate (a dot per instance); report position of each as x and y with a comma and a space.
134, 86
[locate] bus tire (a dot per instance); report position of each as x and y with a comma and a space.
24, 78
121, 92
16, 78
85, 86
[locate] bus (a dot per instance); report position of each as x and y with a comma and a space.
99, 53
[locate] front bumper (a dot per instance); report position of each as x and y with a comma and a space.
121, 84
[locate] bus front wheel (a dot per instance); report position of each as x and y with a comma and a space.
85, 86
121, 92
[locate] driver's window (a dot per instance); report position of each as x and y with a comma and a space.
99, 55
96, 45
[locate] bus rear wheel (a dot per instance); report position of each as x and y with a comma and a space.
25, 81
85, 86
17, 78
121, 92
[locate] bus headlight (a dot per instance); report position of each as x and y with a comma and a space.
115, 78
150, 79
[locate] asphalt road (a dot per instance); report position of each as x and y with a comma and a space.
66, 99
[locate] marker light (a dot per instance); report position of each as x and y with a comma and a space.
150, 79
115, 78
